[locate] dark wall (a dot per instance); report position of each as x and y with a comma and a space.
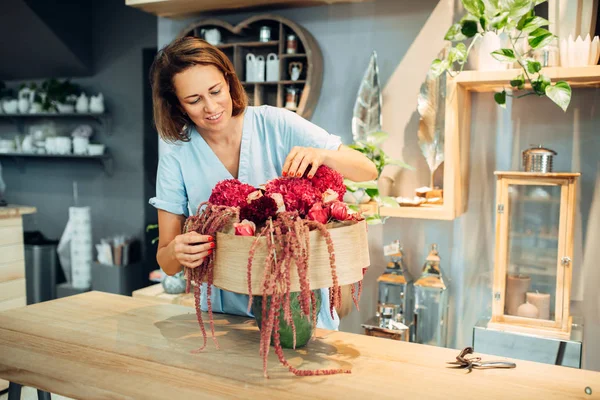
119, 36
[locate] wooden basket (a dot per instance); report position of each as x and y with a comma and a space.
351, 256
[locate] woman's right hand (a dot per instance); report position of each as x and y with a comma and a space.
190, 249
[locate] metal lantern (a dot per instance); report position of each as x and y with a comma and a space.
538, 159
534, 249
431, 302
396, 294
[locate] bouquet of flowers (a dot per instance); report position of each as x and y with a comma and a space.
281, 221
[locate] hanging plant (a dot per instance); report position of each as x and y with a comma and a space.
517, 19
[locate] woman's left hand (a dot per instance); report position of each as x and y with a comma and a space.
299, 160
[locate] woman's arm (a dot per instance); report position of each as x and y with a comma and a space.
350, 163
176, 249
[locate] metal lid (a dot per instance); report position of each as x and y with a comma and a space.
539, 150
291, 37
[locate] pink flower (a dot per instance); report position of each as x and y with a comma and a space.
330, 195
327, 178
231, 193
339, 211
298, 194
253, 196
259, 210
245, 228
319, 213
278, 197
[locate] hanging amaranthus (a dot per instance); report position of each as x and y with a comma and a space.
288, 244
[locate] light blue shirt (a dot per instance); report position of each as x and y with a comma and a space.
187, 175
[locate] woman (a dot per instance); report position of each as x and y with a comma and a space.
200, 104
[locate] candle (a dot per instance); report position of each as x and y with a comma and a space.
528, 310
516, 287
542, 302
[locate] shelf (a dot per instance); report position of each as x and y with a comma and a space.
105, 159
275, 83
102, 118
423, 211
489, 81
297, 55
258, 44
185, 8
241, 39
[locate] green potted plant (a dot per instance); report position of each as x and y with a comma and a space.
361, 192
59, 96
517, 20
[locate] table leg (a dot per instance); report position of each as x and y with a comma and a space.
14, 391
43, 395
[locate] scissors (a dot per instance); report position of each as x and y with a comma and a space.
468, 363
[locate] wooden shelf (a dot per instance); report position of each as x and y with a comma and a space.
457, 134
183, 8
102, 118
489, 81
241, 40
284, 56
105, 159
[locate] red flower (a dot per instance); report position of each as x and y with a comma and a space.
319, 213
339, 211
298, 194
245, 228
231, 193
259, 210
327, 178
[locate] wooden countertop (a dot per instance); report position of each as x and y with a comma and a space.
13, 210
98, 345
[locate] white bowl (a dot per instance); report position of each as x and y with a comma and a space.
95, 149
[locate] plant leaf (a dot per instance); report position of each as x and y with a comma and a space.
532, 23
540, 38
500, 98
360, 185
366, 116
438, 67
474, 7
560, 93
499, 21
454, 34
533, 67
469, 28
504, 55
491, 7
458, 54
377, 138
354, 207
387, 201
518, 82
374, 220
518, 8
373, 193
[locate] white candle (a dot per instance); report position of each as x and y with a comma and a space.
542, 302
516, 287
528, 310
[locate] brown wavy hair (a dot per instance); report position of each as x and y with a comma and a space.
175, 58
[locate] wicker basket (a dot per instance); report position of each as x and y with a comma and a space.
351, 256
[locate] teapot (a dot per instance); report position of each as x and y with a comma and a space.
212, 36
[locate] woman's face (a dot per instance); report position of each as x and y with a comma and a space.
204, 96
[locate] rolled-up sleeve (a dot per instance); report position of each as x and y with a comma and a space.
171, 195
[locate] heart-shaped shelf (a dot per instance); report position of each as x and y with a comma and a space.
278, 61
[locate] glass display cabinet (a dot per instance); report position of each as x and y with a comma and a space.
534, 246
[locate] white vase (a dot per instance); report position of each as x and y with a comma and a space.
481, 59
82, 105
